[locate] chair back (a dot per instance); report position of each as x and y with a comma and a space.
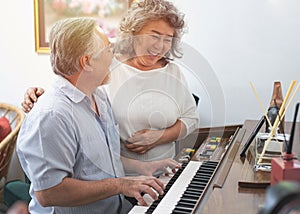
15, 117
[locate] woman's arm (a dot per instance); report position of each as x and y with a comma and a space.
144, 140
149, 168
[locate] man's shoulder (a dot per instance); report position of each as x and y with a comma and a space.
52, 102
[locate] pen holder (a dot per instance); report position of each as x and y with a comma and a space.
275, 148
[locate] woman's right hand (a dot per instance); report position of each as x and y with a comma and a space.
30, 97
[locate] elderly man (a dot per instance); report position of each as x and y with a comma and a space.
69, 145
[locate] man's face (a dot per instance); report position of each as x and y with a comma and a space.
102, 61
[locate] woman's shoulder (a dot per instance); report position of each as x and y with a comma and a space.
174, 65
174, 69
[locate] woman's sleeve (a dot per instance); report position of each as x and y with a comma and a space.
189, 115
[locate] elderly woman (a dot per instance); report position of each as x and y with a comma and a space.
147, 90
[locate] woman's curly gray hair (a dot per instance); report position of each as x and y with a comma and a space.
140, 14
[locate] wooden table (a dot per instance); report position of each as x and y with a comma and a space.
231, 198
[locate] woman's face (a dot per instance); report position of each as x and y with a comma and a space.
152, 42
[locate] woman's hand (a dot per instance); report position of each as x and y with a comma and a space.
30, 97
165, 166
144, 140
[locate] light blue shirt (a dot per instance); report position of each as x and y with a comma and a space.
63, 137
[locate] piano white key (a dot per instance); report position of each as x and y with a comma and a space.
138, 210
167, 204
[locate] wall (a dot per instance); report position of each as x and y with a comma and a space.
228, 43
21, 67
243, 41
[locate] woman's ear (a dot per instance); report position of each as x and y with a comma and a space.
85, 63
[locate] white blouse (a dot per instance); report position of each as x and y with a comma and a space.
154, 100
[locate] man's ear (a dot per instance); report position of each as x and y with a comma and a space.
85, 64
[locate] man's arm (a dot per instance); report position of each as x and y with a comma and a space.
38, 149
73, 192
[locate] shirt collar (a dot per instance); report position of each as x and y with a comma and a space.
74, 93
69, 90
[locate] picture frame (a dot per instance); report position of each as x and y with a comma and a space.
47, 12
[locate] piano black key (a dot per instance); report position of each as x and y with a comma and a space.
187, 209
205, 172
192, 193
176, 211
196, 186
186, 204
160, 197
198, 182
194, 190
210, 164
202, 177
150, 209
195, 196
207, 167
199, 179
191, 189
155, 202
188, 200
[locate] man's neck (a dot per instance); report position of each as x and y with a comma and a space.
79, 82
